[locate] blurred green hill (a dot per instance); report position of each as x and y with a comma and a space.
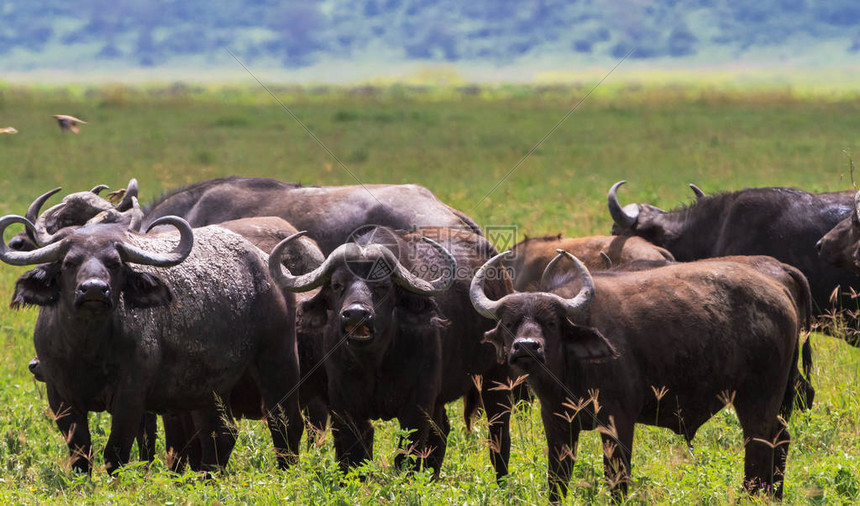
38, 34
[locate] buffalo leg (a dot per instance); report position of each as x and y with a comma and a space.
498, 404
217, 437
146, 437
276, 378
75, 429
437, 439
316, 419
126, 416
181, 442
353, 440
562, 439
766, 450
417, 422
617, 439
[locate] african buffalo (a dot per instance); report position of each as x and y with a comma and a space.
531, 256
173, 335
784, 223
668, 346
400, 346
330, 214
74, 211
245, 400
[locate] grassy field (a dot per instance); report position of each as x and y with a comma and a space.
459, 142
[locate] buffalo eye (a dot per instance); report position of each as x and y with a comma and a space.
379, 288
113, 263
336, 287
70, 263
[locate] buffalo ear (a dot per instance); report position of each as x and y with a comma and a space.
37, 287
145, 290
586, 343
313, 312
494, 337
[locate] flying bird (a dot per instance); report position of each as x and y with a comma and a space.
69, 122
8, 130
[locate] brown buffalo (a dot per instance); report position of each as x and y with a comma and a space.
531, 256
668, 346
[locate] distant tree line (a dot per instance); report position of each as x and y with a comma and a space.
300, 32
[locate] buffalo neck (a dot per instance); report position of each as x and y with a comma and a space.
76, 333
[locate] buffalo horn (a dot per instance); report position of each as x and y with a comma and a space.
352, 251
619, 215
44, 254
413, 283
33, 212
581, 300
42, 236
130, 192
135, 255
857, 203
698, 191
482, 304
303, 282
99, 188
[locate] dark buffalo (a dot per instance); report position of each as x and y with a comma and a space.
74, 211
668, 346
399, 346
330, 214
784, 223
531, 256
841, 245
170, 338
245, 399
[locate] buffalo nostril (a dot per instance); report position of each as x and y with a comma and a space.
94, 287
530, 347
355, 315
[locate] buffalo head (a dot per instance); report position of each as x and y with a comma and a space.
76, 210
366, 293
841, 246
537, 329
646, 221
85, 272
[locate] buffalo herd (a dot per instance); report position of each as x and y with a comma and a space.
312, 307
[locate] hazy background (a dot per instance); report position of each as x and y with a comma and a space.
346, 41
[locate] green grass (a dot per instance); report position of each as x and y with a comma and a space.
459, 143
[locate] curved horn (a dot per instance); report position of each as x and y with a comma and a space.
482, 304
40, 231
413, 283
304, 282
130, 192
351, 251
607, 262
698, 191
133, 254
33, 212
36, 206
99, 188
619, 215
45, 254
581, 300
